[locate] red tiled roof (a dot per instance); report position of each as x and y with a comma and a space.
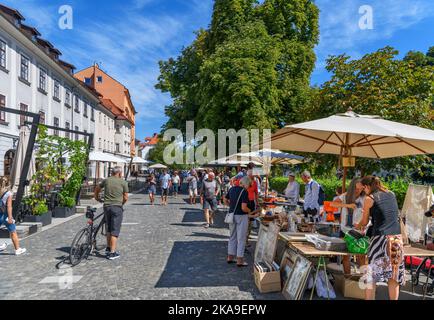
109, 105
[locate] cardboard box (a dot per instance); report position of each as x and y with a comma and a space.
267, 281
349, 287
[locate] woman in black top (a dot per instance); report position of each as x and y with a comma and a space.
237, 199
385, 254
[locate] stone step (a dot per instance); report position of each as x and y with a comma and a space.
22, 231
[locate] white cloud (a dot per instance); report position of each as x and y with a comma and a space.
339, 23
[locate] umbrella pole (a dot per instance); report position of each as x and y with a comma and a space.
344, 180
266, 187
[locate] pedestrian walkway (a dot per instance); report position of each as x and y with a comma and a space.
166, 253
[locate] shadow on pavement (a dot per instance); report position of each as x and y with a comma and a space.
203, 264
200, 225
208, 235
193, 216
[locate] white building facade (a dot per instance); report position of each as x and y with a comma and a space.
34, 79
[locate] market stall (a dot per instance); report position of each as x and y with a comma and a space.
288, 249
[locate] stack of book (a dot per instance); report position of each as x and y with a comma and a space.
266, 267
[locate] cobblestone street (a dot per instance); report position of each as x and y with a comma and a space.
165, 254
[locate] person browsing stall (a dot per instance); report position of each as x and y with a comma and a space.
238, 199
311, 207
385, 253
115, 196
292, 191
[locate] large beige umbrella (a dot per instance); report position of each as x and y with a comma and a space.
268, 158
158, 166
20, 154
351, 135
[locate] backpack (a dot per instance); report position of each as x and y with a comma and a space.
321, 194
3, 206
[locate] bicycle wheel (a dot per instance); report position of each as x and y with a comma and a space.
100, 238
79, 247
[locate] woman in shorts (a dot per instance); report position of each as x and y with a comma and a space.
152, 188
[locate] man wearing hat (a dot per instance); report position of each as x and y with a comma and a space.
208, 194
292, 191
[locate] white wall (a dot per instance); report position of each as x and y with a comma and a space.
17, 92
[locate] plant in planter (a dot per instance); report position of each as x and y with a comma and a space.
74, 173
43, 180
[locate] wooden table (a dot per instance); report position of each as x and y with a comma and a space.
309, 250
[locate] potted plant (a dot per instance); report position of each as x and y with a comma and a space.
73, 176
66, 207
40, 211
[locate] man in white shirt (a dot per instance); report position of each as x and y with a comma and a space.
292, 191
311, 196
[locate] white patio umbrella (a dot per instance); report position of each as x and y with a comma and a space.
353, 135
226, 162
17, 165
268, 157
105, 157
158, 166
139, 160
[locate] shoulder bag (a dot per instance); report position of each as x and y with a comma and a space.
229, 219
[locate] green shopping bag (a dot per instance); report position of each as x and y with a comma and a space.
357, 246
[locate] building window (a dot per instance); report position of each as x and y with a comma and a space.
88, 81
105, 145
68, 97
99, 79
92, 113
118, 148
118, 129
56, 92
76, 134
77, 105
56, 124
24, 71
67, 126
23, 107
2, 105
42, 79
105, 120
85, 109
2, 53
99, 144
41, 117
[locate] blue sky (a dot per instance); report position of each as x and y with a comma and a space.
128, 38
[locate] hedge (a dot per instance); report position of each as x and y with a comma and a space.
398, 186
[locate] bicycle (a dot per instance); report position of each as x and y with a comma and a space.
87, 240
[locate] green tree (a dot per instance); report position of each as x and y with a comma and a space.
251, 68
228, 17
378, 84
238, 82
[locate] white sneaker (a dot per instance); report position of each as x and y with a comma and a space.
3, 247
20, 251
